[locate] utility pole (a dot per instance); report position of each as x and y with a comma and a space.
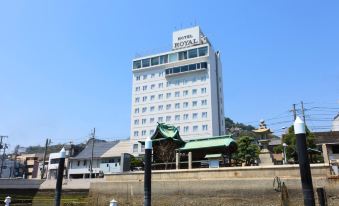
93, 139
1, 137
3, 159
48, 141
294, 112
303, 112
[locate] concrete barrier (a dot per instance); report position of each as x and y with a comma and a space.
223, 186
20, 183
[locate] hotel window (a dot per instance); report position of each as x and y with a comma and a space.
203, 65
136, 122
144, 98
152, 75
145, 63
160, 96
177, 117
204, 127
151, 109
160, 119
194, 103
203, 102
182, 55
202, 51
194, 115
143, 132
168, 118
144, 76
168, 84
186, 129
168, 95
192, 53
185, 116
203, 78
194, 79
204, 114
144, 88
151, 120
203, 90
135, 148
136, 111
151, 132
152, 86
163, 59
195, 128
161, 74
173, 57
185, 93
194, 91
137, 64
168, 106
155, 61
177, 94
152, 97
142, 148
160, 85
137, 99
143, 121
192, 67
177, 105
185, 104
136, 133
185, 82
144, 109
137, 89
160, 107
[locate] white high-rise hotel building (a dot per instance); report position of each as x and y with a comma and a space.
182, 87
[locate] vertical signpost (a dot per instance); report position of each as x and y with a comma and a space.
60, 176
148, 173
304, 163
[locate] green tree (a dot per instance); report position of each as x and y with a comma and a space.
247, 151
291, 141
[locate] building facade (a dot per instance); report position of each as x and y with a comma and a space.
182, 87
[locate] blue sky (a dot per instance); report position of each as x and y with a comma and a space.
65, 66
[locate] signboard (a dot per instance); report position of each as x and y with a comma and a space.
186, 38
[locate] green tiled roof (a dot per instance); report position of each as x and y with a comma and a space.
219, 141
165, 132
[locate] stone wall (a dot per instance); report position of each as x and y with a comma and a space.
224, 186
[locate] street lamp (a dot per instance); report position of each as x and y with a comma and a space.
285, 159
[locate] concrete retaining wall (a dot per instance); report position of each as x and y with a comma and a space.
20, 183
224, 186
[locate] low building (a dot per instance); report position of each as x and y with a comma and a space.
31, 162
53, 164
328, 142
80, 164
117, 158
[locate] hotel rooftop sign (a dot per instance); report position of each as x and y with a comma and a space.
186, 38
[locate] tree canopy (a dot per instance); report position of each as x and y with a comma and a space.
247, 151
290, 140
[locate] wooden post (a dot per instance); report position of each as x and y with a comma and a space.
322, 196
